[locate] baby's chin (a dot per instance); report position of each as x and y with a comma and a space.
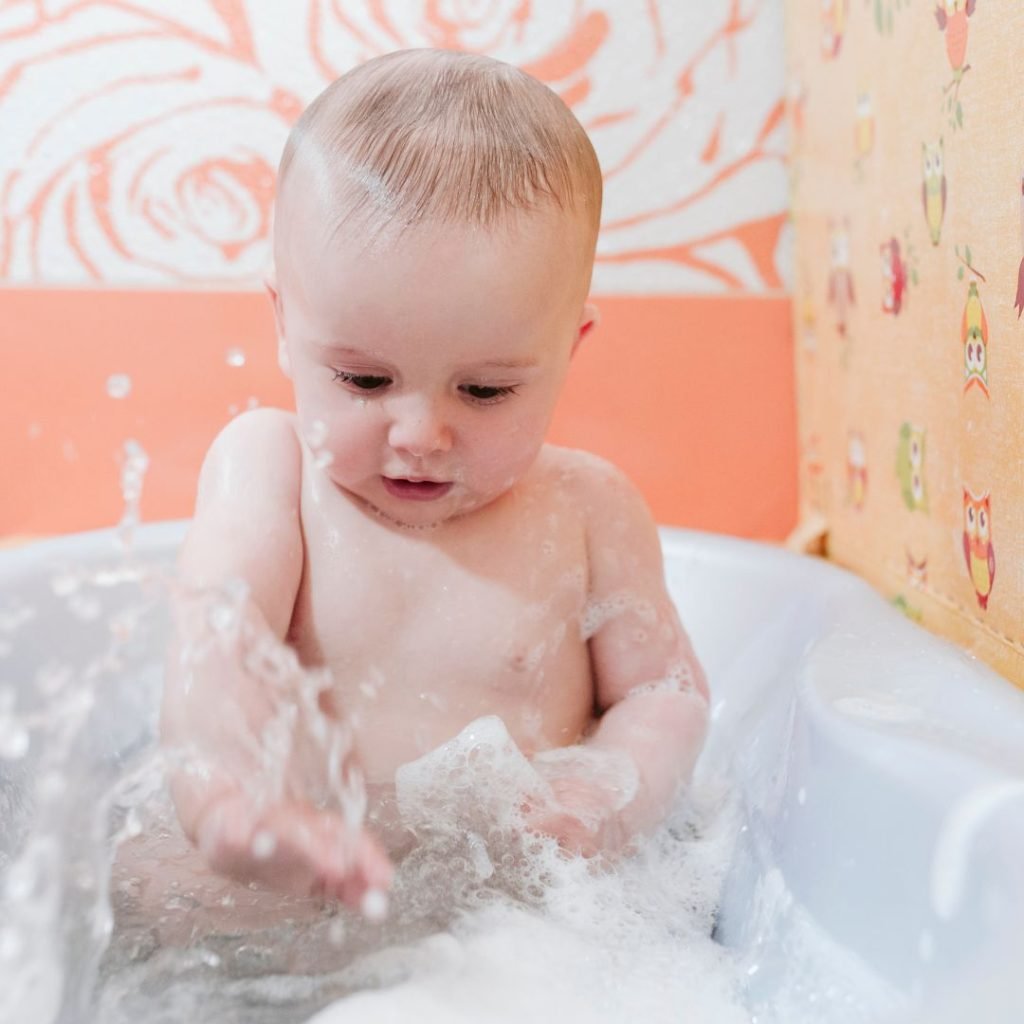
418, 515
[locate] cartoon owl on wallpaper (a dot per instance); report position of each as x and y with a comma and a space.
910, 467
894, 277
856, 469
974, 335
833, 25
840, 280
952, 17
978, 551
1018, 303
933, 189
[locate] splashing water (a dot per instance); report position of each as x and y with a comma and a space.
133, 473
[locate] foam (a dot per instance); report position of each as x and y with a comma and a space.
484, 921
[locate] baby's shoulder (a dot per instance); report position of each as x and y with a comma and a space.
611, 505
259, 448
584, 475
263, 434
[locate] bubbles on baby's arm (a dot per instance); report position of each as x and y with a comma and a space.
599, 612
678, 679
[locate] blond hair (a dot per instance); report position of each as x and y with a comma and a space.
421, 135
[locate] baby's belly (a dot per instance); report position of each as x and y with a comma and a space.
406, 716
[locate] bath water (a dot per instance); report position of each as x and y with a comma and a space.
108, 915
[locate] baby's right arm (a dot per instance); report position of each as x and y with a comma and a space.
216, 711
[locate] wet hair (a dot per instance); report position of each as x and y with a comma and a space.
434, 135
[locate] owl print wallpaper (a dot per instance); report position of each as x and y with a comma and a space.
140, 145
907, 196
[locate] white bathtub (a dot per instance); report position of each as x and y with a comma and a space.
879, 873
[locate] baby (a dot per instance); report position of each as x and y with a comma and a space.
407, 529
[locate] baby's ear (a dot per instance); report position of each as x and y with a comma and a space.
589, 319
283, 358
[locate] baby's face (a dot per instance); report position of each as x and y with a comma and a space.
426, 371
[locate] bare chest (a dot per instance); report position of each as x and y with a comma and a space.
424, 633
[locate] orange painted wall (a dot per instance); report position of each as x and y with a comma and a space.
692, 396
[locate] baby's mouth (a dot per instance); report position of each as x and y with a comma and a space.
416, 490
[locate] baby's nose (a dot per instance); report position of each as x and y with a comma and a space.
419, 429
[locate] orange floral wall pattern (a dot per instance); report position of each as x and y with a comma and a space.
907, 181
141, 140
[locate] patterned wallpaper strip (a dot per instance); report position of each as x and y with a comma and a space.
908, 199
141, 137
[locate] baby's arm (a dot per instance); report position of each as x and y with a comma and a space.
650, 690
216, 710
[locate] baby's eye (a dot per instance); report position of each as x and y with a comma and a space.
362, 381
487, 394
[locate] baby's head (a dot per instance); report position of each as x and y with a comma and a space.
435, 227
434, 136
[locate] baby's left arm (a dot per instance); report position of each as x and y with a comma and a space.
650, 690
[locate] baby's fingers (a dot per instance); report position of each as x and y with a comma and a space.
357, 872
295, 849
572, 835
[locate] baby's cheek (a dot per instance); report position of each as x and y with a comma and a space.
501, 460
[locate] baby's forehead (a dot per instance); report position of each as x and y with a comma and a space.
315, 219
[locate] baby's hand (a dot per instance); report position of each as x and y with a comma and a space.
294, 848
589, 788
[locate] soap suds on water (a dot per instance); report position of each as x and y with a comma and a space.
484, 922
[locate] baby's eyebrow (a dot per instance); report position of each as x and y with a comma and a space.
507, 364
351, 353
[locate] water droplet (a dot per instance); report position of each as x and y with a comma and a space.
14, 740
317, 434
133, 472
323, 459
11, 943
374, 905
264, 844
119, 385
21, 880
222, 617
235, 357
132, 824
65, 583
85, 607
252, 402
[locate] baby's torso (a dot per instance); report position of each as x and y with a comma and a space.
425, 631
